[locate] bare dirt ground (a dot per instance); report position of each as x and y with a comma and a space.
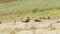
46, 26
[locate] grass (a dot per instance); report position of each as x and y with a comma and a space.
52, 14
10, 10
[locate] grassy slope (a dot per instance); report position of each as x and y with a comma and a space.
28, 5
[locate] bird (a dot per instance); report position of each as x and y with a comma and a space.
44, 17
40, 18
36, 20
48, 18
0, 22
27, 20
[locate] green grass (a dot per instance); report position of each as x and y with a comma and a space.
10, 10
52, 14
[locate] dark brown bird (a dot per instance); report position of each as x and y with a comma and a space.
36, 20
27, 20
0, 22
48, 18
40, 18
44, 17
